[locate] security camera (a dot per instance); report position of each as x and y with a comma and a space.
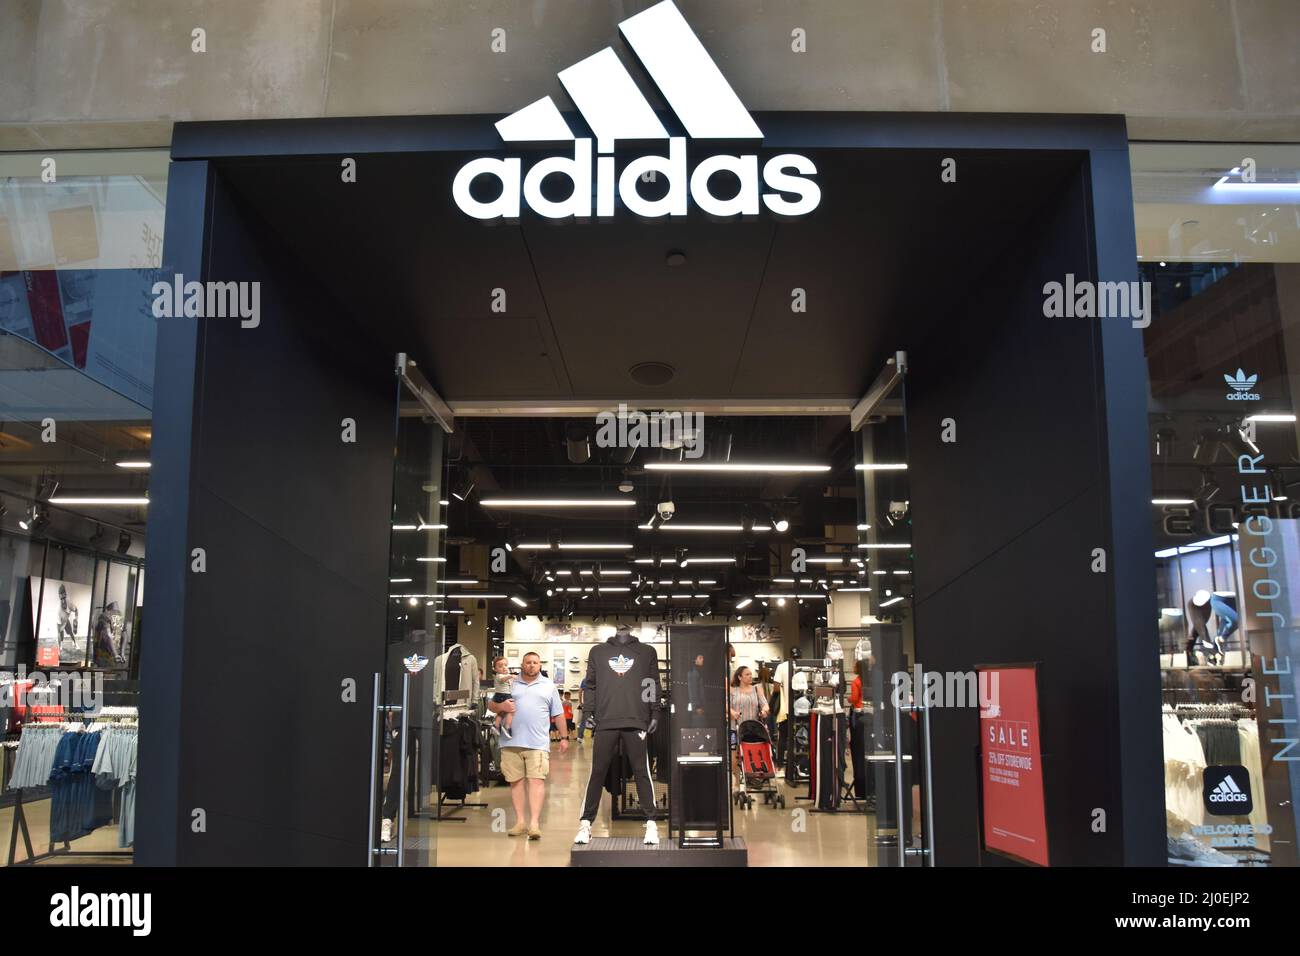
666, 510
897, 511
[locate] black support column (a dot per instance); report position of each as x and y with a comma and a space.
243, 713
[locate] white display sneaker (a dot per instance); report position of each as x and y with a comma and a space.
385, 831
651, 833
584, 832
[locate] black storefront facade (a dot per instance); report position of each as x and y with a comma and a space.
246, 727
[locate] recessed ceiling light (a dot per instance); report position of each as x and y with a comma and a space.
757, 467
557, 502
103, 500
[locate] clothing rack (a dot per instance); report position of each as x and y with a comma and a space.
1213, 711
20, 817
454, 711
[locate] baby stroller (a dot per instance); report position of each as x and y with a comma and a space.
757, 768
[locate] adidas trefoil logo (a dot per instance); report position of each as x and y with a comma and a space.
613, 107
1227, 792
621, 664
415, 663
1242, 387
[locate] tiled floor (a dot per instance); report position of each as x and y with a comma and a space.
775, 837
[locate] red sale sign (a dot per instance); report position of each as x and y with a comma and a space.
1015, 815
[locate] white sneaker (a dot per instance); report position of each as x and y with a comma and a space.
385, 831
651, 833
584, 833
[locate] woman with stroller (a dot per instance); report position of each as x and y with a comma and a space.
747, 702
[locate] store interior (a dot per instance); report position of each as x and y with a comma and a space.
74, 476
569, 534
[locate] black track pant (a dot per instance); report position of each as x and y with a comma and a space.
604, 748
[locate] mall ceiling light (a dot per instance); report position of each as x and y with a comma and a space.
109, 501
826, 560
557, 502
400, 580
1270, 417
744, 603
518, 600
434, 560
853, 589
135, 463
884, 546
893, 600
864, 527
683, 557
734, 467
456, 580
882, 466
471, 597
1172, 501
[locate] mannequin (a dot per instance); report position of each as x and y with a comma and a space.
623, 675
1199, 609
455, 669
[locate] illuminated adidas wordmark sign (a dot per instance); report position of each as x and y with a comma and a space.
612, 105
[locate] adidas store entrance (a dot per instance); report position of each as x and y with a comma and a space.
848, 292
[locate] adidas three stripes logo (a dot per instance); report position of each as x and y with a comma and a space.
612, 105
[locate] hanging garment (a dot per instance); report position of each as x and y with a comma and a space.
1220, 741
859, 735
826, 732
455, 761
114, 768
77, 805
1184, 772
1248, 731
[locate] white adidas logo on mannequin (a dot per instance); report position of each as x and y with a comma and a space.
612, 105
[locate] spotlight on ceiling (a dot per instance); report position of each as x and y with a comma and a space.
577, 444
462, 491
1208, 491
512, 540
48, 487
675, 258
97, 539
780, 522
682, 557
123, 543
625, 485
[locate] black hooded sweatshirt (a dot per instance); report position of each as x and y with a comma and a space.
622, 677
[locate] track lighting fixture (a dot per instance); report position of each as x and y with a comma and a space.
463, 491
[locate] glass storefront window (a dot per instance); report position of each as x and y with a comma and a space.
1218, 232
80, 249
